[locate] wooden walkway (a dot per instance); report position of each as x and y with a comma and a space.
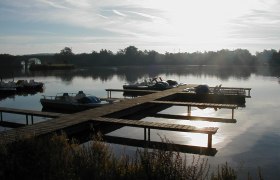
212, 105
109, 91
27, 113
194, 118
223, 90
201, 105
160, 126
110, 114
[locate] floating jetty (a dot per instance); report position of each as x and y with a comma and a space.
125, 113
223, 95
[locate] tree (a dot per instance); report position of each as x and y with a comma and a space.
131, 51
66, 51
65, 56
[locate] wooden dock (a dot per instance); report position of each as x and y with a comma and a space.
27, 113
131, 91
113, 114
246, 92
161, 126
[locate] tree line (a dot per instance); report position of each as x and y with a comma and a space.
131, 56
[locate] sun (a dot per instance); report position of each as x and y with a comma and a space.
202, 24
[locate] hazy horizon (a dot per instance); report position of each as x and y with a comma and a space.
47, 26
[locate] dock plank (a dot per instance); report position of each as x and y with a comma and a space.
213, 105
30, 112
193, 118
160, 126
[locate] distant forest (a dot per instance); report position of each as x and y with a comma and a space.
131, 56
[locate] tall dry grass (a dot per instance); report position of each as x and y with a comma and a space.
56, 157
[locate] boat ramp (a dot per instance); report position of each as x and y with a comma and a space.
128, 112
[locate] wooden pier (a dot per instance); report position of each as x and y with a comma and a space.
118, 114
246, 92
27, 113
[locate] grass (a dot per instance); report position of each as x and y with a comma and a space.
56, 157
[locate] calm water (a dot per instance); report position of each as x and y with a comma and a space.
252, 142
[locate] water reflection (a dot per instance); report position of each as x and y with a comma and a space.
163, 145
253, 139
132, 74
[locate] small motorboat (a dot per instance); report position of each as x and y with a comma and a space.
152, 84
31, 85
7, 88
21, 86
72, 102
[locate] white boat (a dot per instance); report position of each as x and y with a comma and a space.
21, 86
31, 85
152, 84
7, 88
72, 102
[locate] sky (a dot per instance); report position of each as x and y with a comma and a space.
47, 26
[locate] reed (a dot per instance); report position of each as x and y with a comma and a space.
57, 157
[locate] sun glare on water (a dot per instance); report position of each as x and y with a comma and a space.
193, 139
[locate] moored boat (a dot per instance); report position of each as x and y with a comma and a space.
21, 86
152, 84
31, 85
8, 90
72, 102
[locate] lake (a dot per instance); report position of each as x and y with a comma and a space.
252, 142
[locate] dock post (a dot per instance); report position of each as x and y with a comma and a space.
149, 134
145, 138
26, 117
189, 110
32, 122
209, 140
232, 114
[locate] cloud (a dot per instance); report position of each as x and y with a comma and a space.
260, 23
119, 13
53, 4
178, 23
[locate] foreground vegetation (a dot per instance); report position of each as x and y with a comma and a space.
56, 157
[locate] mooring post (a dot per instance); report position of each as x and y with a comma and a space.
145, 134
189, 110
26, 117
149, 134
209, 140
32, 122
232, 114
